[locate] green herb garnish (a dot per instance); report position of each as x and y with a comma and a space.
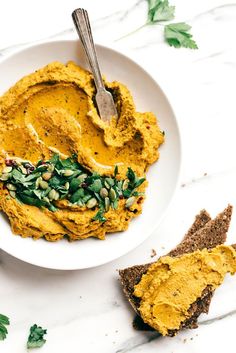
4, 321
66, 179
160, 11
36, 337
175, 34
100, 216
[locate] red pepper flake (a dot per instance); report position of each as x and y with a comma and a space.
148, 127
10, 163
140, 200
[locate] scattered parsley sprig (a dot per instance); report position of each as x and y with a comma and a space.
36, 337
175, 34
4, 321
160, 10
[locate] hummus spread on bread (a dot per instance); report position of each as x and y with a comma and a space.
172, 284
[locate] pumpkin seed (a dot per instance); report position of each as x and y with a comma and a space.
107, 204
91, 203
43, 184
51, 168
103, 193
46, 199
57, 196
23, 169
112, 194
115, 204
38, 180
52, 194
4, 177
125, 184
46, 176
67, 172
13, 194
82, 177
7, 170
11, 187
67, 185
106, 184
129, 202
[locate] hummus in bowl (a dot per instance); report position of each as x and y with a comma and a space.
53, 112
161, 177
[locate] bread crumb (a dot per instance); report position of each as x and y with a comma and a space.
153, 253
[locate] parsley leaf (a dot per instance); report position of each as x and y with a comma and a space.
160, 10
177, 35
36, 337
4, 321
99, 216
131, 175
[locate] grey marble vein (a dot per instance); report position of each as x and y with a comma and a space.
6, 50
213, 55
118, 15
218, 318
212, 11
195, 180
138, 341
147, 337
136, 5
206, 176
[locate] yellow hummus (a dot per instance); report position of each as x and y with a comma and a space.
53, 110
171, 285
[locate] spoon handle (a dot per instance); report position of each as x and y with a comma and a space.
82, 25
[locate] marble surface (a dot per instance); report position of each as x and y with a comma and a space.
85, 311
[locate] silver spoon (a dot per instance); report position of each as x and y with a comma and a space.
104, 99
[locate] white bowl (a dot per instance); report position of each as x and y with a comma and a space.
162, 176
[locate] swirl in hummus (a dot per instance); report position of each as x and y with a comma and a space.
53, 111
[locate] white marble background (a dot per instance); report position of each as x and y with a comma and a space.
84, 311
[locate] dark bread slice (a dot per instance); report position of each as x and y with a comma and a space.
131, 276
204, 233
